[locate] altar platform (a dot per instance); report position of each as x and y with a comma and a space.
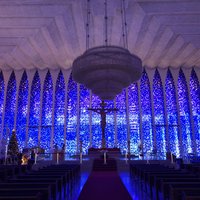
110, 152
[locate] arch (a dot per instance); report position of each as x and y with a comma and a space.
146, 109
184, 112
195, 103
10, 106
34, 115
47, 105
71, 136
159, 114
22, 111
59, 112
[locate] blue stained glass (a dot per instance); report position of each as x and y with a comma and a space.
146, 113
195, 101
10, 106
96, 121
134, 117
71, 138
159, 114
59, 111
34, 117
122, 121
84, 118
1, 99
172, 116
110, 128
22, 111
184, 114
47, 105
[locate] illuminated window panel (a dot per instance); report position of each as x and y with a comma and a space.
84, 118
110, 128
184, 114
22, 111
159, 115
134, 118
34, 116
1, 99
172, 115
10, 106
195, 101
96, 123
47, 105
71, 138
59, 112
146, 113
122, 121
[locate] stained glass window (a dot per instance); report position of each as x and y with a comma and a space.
47, 105
134, 118
71, 137
146, 113
1, 99
184, 114
84, 118
195, 101
34, 116
122, 121
159, 115
22, 111
59, 112
96, 121
172, 115
10, 106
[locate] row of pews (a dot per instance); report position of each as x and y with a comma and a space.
53, 182
167, 183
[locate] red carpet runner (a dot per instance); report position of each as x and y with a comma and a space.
104, 185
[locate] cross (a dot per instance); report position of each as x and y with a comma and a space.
103, 111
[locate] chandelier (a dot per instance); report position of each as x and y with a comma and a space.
107, 69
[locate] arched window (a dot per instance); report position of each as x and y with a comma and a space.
22, 111
1, 99
71, 136
195, 101
84, 117
172, 115
59, 111
122, 121
10, 106
34, 115
146, 108
47, 105
134, 117
159, 114
184, 112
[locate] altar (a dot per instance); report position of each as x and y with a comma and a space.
111, 152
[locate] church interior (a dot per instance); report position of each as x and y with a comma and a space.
100, 99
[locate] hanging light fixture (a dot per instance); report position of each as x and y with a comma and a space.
107, 69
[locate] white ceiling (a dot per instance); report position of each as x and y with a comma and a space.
51, 33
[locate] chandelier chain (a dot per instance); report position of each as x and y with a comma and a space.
124, 25
106, 23
88, 26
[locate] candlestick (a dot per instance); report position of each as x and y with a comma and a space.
57, 158
81, 158
104, 157
35, 158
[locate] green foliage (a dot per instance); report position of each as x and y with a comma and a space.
13, 149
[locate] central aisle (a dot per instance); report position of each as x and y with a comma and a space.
104, 183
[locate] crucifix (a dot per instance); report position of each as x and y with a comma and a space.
103, 111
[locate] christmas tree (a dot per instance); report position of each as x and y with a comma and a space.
13, 149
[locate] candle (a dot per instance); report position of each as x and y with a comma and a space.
172, 158
57, 158
126, 157
81, 158
35, 158
104, 157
